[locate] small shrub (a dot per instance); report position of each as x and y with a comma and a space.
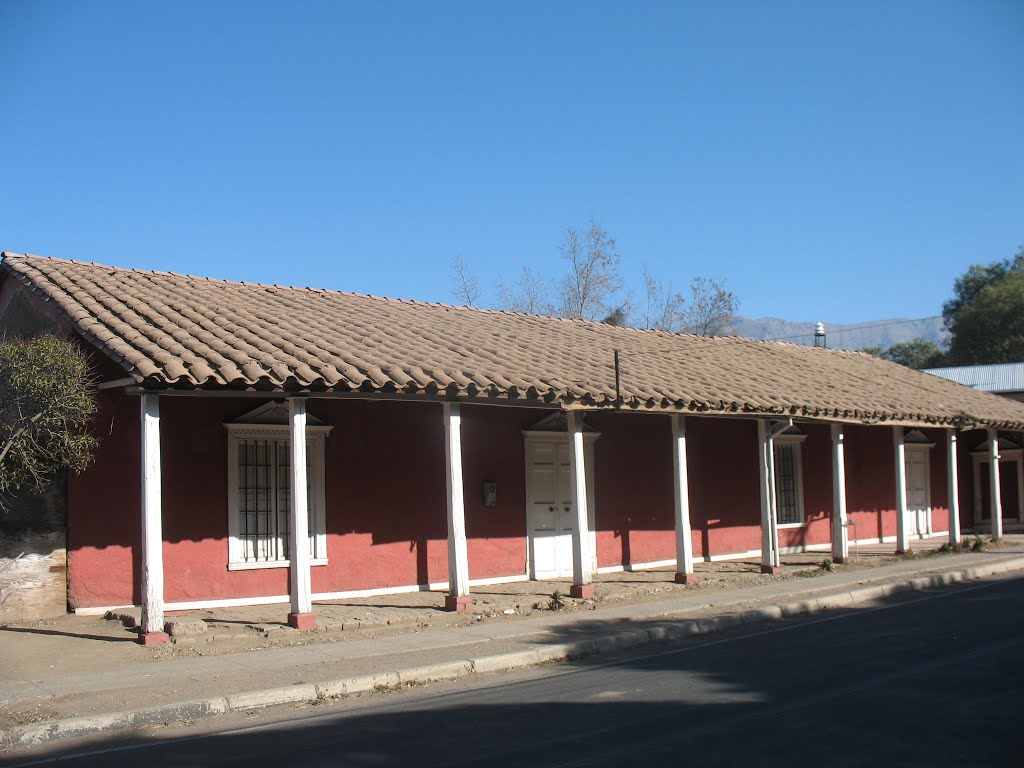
557, 601
978, 544
827, 565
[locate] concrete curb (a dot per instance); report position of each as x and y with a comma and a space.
667, 629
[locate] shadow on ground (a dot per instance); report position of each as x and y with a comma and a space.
923, 680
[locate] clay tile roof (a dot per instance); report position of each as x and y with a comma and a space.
170, 330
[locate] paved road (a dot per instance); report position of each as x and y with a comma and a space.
933, 681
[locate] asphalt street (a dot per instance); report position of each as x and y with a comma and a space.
931, 681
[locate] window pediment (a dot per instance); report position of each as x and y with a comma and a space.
272, 412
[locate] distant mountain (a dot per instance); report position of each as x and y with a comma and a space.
873, 333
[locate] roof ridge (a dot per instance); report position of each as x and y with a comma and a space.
312, 289
424, 303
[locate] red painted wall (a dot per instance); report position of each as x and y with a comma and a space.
103, 524
939, 476
634, 497
968, 442
386, 508
725, 501
386, 501
871, 482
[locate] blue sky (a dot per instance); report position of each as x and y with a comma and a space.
837, 161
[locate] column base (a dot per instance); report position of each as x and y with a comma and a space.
302, 621
687, 579
838, 559
153, 638
458, 603
582, 591
771, 570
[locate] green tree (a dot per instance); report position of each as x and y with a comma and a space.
917, 354
45, 406
985, 317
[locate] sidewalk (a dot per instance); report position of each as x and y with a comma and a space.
80, 675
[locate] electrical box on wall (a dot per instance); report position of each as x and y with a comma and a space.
490, 493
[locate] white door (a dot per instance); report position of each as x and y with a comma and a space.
550, 518
919, 503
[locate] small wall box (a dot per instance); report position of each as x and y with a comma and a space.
490, 493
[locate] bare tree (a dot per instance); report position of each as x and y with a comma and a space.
711, 307
466, 285
708, 311
663, 309
590, 287
530, 294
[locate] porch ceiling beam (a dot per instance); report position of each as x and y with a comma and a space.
152, 630
840, 521
582, 558
299, 582
995, 497
458, 598
555, 404
953, 484
684, 539
900, 455
278, 394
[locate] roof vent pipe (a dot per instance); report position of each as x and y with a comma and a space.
819, 335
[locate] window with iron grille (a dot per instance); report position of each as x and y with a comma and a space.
259, 470
788, 482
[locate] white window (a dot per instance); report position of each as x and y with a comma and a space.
789, 486
259, 495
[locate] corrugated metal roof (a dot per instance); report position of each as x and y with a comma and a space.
1004, 377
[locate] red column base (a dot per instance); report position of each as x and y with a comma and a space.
302, 621
458, 603
153, 638
582, 591
771, 570
688, 579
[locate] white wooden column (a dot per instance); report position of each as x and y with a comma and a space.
300, 590
840, 536
902, 531
770, 561
458, 598
582, 559
995, 497
684, 542
152, 525
953, 484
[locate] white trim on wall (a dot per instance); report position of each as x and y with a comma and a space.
241, 602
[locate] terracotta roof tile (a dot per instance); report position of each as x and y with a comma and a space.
175, 330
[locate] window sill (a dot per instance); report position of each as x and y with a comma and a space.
271, 564
791, 525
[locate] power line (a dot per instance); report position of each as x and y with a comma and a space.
855, 328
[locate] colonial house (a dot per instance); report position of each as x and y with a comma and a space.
265, 444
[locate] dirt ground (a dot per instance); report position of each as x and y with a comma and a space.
229, 630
